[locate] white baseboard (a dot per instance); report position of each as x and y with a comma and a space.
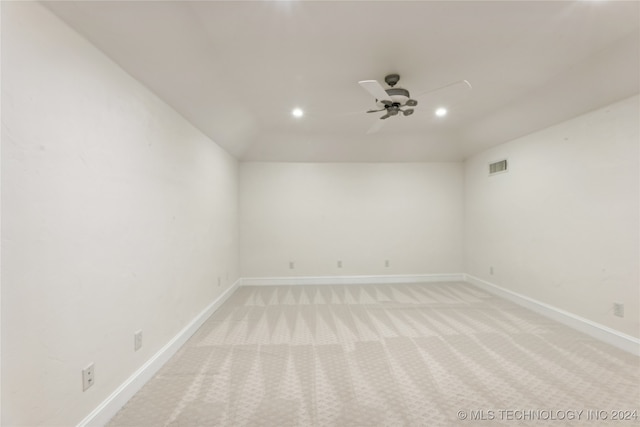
352, 280
600, 332
112, 404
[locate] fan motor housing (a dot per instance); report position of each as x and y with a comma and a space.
397, 95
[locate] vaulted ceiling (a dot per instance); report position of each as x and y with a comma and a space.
236, 69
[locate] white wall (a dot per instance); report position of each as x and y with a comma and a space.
117, 216
315, 214
562, 226
0, 228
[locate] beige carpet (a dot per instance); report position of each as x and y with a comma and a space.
386, 355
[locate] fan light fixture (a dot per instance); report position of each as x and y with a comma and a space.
441, 112
297, 112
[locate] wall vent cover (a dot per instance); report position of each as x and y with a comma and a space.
498, 167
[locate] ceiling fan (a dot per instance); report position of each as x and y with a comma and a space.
395, 100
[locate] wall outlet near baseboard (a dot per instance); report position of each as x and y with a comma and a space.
339, 264
137, 340
88, 377
618, 309
386, 263
491, 270
292, 265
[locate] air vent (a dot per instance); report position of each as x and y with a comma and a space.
498, 167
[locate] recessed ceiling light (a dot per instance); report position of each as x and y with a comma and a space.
441, 112
297, 112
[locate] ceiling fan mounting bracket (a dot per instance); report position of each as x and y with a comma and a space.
392, 79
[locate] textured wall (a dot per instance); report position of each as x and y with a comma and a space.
561, 226
316, 214
117, 216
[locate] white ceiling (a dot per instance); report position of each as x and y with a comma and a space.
236, 69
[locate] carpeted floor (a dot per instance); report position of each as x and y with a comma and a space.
443, 354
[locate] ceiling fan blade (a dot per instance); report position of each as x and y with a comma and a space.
459, 87
377, 125
375, 89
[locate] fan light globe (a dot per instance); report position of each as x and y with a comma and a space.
441, 112
297, 112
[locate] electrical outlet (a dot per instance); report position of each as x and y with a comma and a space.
618, 309
292, 265
88, 377
219, 282
491, 270
339, 264
137, 340
386, 263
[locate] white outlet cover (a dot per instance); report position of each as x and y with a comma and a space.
618, 309
137, 340
88, 377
